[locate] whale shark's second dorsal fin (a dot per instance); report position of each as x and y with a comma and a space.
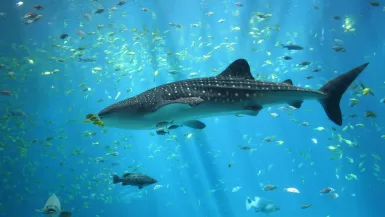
238, 69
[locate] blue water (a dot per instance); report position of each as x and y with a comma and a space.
47, 148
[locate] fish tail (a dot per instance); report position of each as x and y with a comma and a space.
284, 46
116, 179
334, 89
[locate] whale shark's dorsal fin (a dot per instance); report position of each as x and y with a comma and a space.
238, 69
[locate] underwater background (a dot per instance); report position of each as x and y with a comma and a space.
66, 60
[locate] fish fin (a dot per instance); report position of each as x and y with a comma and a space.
284, 46
65, 214
334, 89
140, 187
198, 125
39, 210
116, 179
288, 82
296, 104
126, 174
238, 69
253, 110
250, 113
248, 203
191, 101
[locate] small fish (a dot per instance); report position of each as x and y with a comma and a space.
134, 179
63, 36
162, 131
17, 113
287, 57
292, 190
336, 17
121, 3
292, 47
338, 49
235, 189
245, 148
99, 11
5, 92
326, 190
269, 187
87, 60
163, 124
316, 70
38, 7
173, 127
370, 114
309, 77
239, 4
374, 4
3, 15
264, 16
304, 63
305, 206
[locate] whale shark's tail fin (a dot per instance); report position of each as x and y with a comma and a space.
334, 89
65, 214
252, 203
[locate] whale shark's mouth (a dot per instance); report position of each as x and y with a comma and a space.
51, 210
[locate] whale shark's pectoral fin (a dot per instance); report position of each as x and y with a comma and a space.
198, 125
39, 210
190, 101
296, 104
65, 214
252, 110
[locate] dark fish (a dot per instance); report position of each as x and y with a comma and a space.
162, 131
121, 3
374, 4
173, 127
305, 206
326, 190
17, 113
234, 91
292, 47
264, 16
5, 92
309, 77
287, 57
134, 179
87, 60
270, 187
304, 63
336, 17
163, 124
38, 7
99, 11
63, 36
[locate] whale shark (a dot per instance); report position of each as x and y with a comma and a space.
52, 208
233, 92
